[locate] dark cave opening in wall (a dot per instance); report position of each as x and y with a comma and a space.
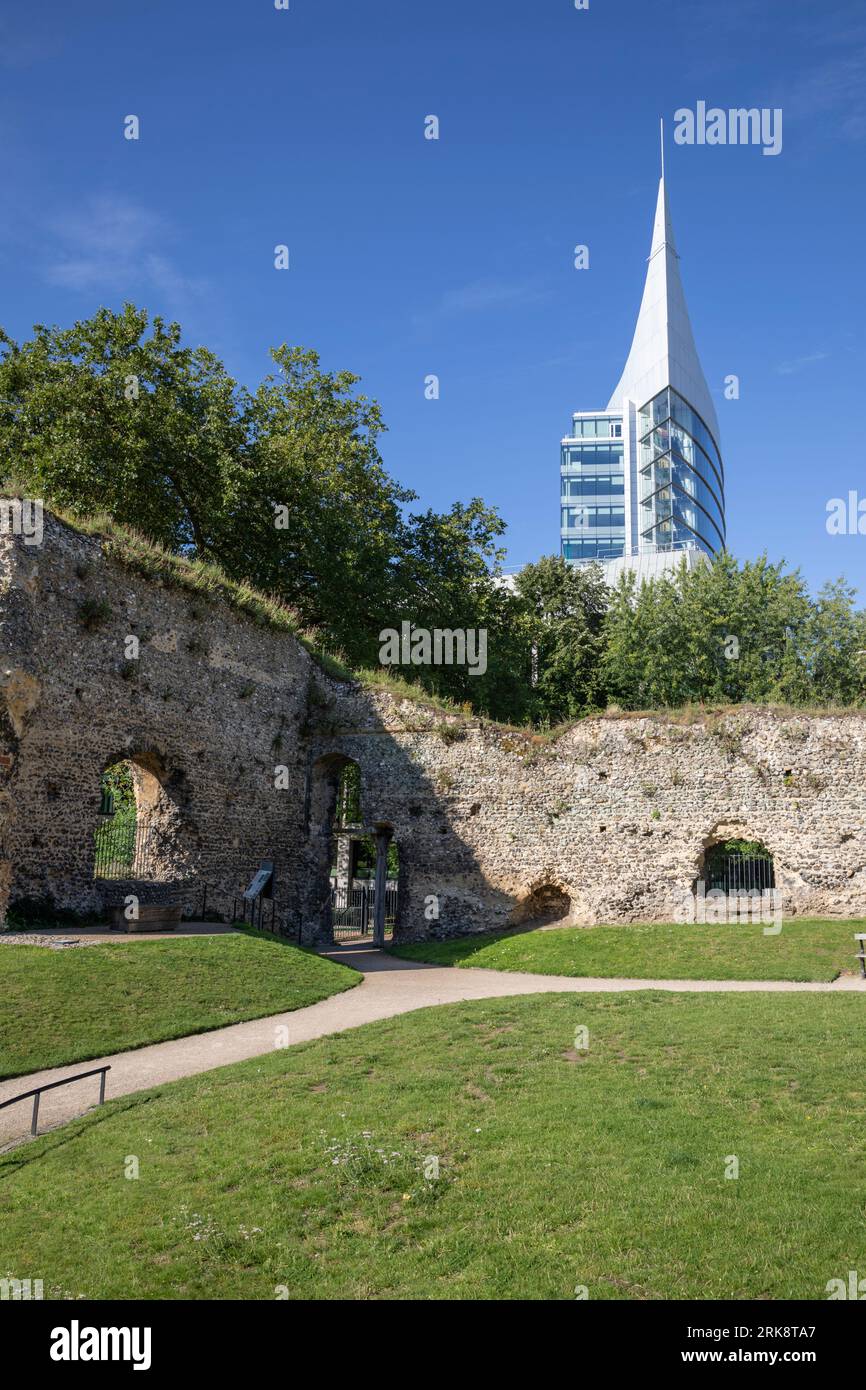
545, 904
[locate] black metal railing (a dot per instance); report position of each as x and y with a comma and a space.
52, 1085
258, 912
125, 848
740, 873
353, 909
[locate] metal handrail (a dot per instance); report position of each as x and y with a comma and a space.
51, 1085
260, 900
650, 548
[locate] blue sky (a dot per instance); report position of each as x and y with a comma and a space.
411, 257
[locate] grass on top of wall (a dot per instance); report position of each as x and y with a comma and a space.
805, 949
60, 1006
475, 1151
153, 561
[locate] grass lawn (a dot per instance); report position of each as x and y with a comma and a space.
305, 1169
803, 950
69, 1005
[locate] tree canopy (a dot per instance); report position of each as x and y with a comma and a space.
733, 633
284, 487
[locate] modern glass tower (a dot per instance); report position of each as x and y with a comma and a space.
642, 482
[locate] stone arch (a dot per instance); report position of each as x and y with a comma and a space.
327, 776
142, 834
339, 829
732, 833
545, 901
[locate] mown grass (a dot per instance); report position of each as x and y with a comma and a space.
310, 1171
803, 950
59, 1006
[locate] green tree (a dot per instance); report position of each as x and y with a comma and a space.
309, 511
642, 661
447, 575
108, 416
732, 633
118, 781
563, 608
836, 644
284, 487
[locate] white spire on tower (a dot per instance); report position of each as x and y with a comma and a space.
663, 351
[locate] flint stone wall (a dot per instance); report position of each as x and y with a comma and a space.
616, 814
611, 820
213, 703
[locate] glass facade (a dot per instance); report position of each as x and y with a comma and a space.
644, 477
598, 427
681, 497
592, 490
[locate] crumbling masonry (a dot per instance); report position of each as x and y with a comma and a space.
238, 738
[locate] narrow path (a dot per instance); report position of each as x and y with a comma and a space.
390, 986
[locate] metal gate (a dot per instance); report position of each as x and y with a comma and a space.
740, 873
125, 848
353, 909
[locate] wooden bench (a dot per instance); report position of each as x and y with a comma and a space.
151, 917
860, 936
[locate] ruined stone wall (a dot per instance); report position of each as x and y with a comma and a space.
611, 819
615, 815
210, 707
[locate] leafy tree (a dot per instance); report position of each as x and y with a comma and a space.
105, 416
732, 633
309, 511
563, 609
285, 487
447, 576
118, 781
642, 660
836, 644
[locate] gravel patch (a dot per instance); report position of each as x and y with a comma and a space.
21, 938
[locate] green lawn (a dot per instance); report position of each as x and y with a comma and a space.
803, 950
59, 1006
305, 1169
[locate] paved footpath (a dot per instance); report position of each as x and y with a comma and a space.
390, 986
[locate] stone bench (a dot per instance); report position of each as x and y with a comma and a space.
860, 937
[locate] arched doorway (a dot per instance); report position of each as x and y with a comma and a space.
738, 866
362, 858
139, 835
